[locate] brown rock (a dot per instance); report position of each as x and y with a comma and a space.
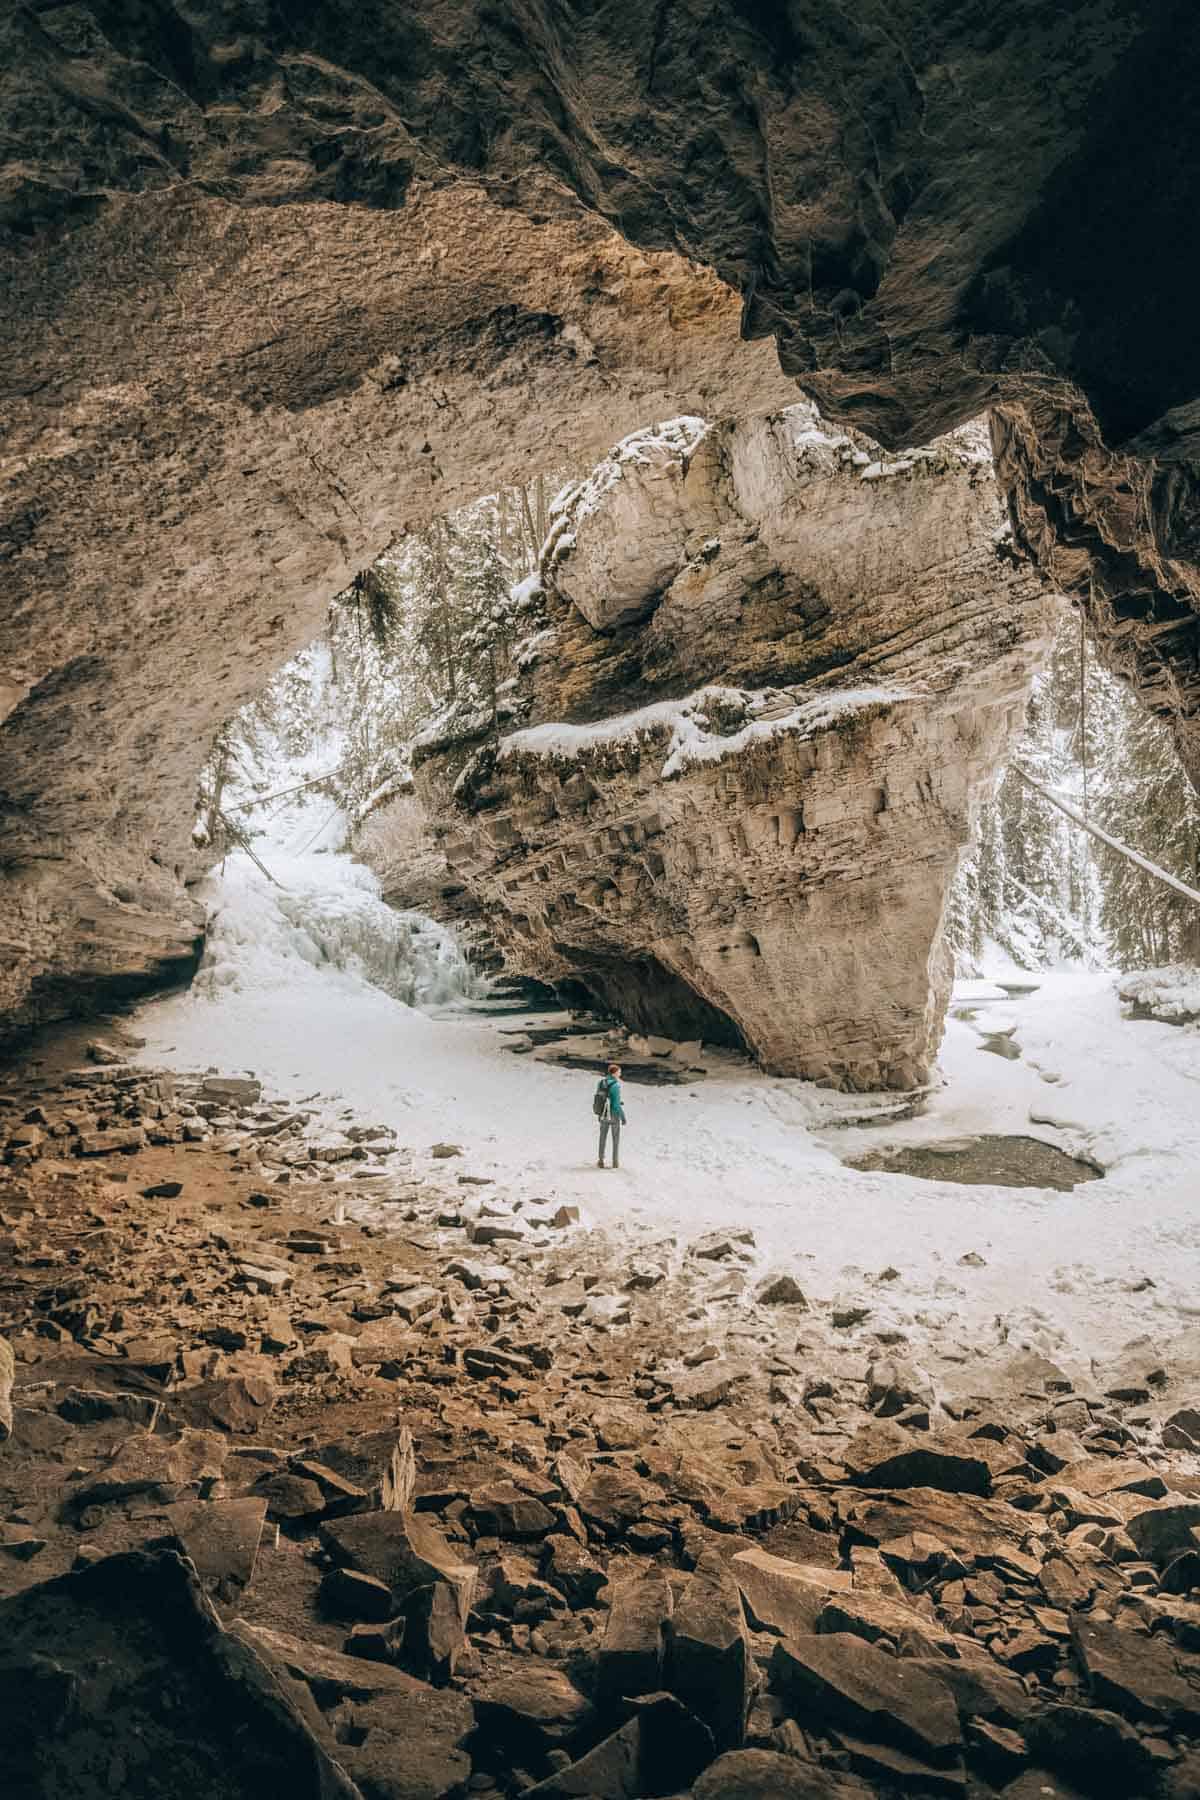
7, 1376
348, 1594
708, 1655
1093, 1748
902, 1772
765, 1775
781, 1595
882, 1455
613, 1498
528, 1707
1136, 1676
435, 1631
884, 1698
289, 1496
573, 1571
631, 1652
504, 1510
408, 1745
221, 1539
1161, 1532
1182, 1430
401, 1549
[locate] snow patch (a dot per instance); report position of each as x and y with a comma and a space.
693, 738
1171, 994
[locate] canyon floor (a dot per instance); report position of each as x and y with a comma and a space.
366, 1434
1073, 1274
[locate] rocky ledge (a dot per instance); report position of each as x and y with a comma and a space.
770, 671
430, 1495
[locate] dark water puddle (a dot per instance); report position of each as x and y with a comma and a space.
997, 1161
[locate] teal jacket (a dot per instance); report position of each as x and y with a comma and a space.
615, 1104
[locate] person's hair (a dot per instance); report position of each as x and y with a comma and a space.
614, 1068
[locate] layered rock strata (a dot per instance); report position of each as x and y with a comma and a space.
279, 282
845, 642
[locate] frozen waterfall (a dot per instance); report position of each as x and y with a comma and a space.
326, 916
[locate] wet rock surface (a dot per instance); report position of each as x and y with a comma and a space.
499, 1545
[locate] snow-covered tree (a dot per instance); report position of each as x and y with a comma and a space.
1040, 891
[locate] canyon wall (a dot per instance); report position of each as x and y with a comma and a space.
768, 671
279, 283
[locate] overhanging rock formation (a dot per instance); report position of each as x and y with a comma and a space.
278, 282
845, 642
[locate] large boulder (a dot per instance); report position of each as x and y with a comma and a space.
763, 860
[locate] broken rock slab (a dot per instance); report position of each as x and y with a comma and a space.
7, 1376
526, 1707
655, 1753
128, 1653
330, 1674
884, 1455
408, 1745
884, 1698
1134, 1675
402, 1549
766, 1775
708, 1664
221, 1539
784, 1596
631, 1654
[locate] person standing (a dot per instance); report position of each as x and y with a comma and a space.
610, 1110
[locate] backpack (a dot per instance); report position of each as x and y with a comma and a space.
600, 1102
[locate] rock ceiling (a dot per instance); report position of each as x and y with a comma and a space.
279, 283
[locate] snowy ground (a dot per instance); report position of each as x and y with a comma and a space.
1072, 1274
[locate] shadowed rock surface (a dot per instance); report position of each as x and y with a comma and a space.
281, 283
765, 859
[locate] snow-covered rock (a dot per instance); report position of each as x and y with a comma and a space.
1171, 994
741, 772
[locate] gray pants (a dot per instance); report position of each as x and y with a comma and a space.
613, 1125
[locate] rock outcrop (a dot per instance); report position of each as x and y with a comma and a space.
279, 283
772, 669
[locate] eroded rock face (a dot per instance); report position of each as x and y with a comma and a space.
279, 282
846, 642
225, 442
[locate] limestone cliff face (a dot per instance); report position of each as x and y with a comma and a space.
279, 281
772, 670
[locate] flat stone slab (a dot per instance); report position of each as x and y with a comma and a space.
884, 1698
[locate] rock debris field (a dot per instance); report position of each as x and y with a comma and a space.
485, 1502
